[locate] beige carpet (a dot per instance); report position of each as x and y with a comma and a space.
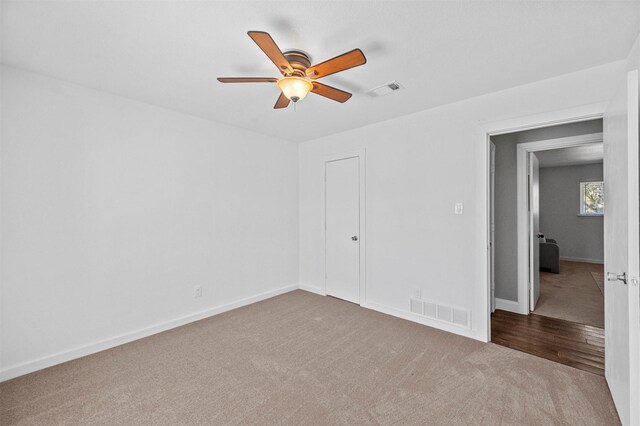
305, 359
572, 295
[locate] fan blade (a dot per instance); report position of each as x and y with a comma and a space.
271, 49
343, 62
247, 80
282, 102
330, 92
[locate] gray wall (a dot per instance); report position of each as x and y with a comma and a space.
506, 239
579, 237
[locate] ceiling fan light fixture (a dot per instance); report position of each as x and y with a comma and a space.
295, 88
299, 77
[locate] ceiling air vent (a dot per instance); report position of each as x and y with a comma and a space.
384, 89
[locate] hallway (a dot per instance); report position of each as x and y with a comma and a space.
577, 345
567, 325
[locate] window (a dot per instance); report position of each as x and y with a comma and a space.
592, 198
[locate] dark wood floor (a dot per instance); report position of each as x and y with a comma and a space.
577, 345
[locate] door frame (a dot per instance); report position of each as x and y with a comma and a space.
484, 134
533, 240
362, 277
525, 233
492, 225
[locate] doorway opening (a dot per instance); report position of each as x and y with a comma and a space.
547, 242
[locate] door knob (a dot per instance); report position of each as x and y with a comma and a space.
354, 238
612, 276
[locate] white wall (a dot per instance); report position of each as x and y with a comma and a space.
114, 211
417, 167
580, 238
506, 194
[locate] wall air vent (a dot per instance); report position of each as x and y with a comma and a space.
416, 306
440, 312
384, 89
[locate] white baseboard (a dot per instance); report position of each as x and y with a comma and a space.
48, 361
583, 260
507, 305
312, 289
51, 360
410, 316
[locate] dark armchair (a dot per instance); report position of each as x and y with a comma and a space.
550, 256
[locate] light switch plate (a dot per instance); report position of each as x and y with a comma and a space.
459, 208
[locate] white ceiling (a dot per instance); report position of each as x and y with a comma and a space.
169, 53
586, 154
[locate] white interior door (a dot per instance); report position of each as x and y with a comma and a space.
492, 223
534, 230
621, 246
342, 229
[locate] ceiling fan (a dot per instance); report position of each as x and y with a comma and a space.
298, 74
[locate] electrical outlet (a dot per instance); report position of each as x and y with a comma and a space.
417, 293
198, 292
